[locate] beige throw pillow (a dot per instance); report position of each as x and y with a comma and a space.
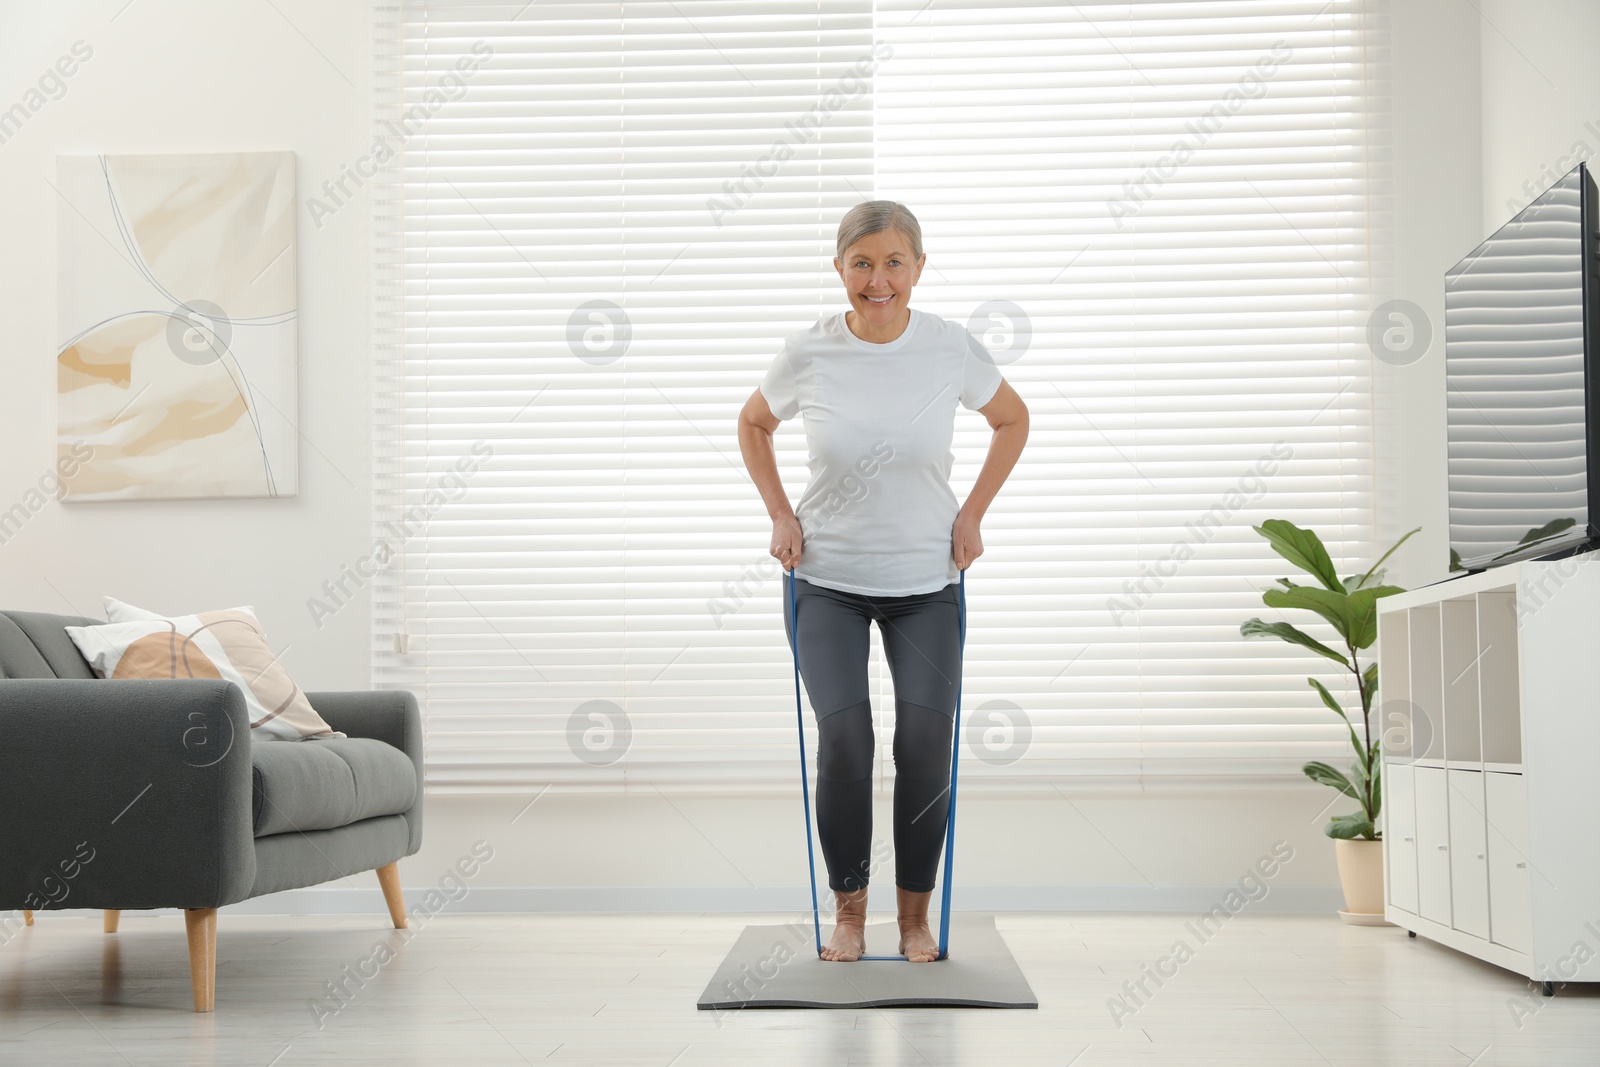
227, 644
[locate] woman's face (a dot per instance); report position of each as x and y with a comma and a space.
878, 274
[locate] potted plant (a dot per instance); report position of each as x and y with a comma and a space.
1349, 605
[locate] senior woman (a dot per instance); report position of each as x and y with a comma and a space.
878, 537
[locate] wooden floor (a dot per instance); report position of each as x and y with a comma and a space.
590, 989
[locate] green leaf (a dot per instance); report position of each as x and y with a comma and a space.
1356, 581
1373, 574
1331, 777
1363, 608
1257, 628
1302, 548
1377, 786
1455, 561
1370, 678
1358, 776
1350, 826
1333, 607
1327, 698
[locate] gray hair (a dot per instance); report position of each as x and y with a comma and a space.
875, 216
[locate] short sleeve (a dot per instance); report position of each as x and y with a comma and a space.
980, 378
778, 387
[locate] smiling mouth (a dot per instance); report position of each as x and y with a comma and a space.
879, 300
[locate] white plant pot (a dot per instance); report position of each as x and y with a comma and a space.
1361, 876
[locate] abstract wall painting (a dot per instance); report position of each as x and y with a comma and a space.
176, 316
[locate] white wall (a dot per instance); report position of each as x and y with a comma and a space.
171, 75
1435, 210
1541, 98
182, 75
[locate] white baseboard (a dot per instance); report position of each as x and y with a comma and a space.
347, 900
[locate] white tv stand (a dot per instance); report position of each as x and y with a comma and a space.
1489, 704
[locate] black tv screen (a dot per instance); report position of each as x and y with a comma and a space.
1519, 344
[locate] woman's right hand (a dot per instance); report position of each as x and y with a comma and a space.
786, 541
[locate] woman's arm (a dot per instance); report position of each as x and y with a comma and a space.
1008, 417
756, 426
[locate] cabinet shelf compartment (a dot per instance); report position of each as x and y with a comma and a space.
1498, 681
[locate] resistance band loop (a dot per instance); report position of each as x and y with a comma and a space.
805, 783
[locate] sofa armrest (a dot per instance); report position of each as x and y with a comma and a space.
389, 715
124, 794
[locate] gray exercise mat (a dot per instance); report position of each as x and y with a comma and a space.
777, 967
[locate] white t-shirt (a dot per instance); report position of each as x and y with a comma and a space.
879, 418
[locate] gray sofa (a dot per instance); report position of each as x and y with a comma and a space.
118, 795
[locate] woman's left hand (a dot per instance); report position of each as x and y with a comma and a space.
966, 544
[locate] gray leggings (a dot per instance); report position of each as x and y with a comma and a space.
922, 642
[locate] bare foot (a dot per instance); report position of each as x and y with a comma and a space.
916, 940
849, 940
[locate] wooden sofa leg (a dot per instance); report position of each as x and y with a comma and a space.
27, 918
389, 879
110, 920
201, 924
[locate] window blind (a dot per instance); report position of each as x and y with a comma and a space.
600, 219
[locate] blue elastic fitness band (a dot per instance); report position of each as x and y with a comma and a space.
805, 783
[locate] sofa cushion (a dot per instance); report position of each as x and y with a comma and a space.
225, 644
324, 783
34, 644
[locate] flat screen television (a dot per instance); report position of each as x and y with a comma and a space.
1521, 381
